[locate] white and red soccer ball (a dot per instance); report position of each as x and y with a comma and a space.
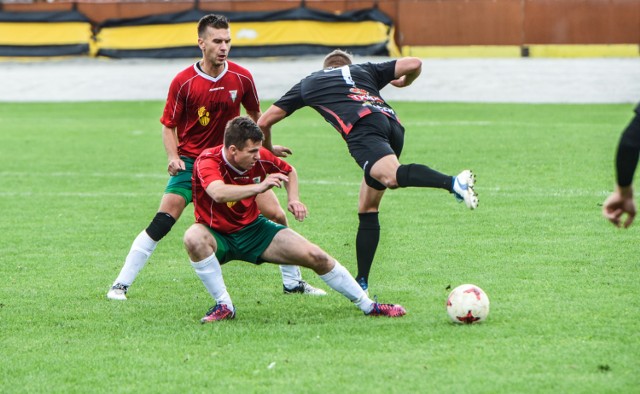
467, 304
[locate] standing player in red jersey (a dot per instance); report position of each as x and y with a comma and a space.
227, 181
202, 99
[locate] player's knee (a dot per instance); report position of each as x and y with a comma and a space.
197, 242
380, 180
160, 226
191, 239
318, 259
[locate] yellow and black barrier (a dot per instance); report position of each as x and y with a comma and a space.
37, 34
299, 31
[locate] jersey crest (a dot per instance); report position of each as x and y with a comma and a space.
203, 116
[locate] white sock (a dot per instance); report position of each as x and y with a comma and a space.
138, 256
291, 275
210, 273
340, 280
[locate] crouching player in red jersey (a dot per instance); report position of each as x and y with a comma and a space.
229, 226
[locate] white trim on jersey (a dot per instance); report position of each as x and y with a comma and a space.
209, 77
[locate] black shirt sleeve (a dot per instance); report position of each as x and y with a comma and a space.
292, 100
628, 151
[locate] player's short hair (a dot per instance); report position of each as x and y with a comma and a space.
241, 129
212, 20
337, 58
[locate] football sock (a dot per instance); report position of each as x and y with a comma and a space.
367, 240
141, 249
340, 280
210, 273
419, 175
291, 275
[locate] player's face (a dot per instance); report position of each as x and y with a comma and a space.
246, 158
215, 45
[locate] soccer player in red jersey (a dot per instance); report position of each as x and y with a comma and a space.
202, 99
348, 97
227, 180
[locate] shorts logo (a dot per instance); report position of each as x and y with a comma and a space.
234, 94
230, 204
203, 116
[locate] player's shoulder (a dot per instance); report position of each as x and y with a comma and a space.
186, 74
266, 154
211, 153
238, 69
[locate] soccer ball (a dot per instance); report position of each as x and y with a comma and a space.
467, 304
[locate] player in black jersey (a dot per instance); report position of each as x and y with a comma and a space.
621, 201
348, 96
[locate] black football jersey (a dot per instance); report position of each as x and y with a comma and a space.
343, 95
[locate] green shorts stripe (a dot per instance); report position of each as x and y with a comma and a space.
247, 244
180, 183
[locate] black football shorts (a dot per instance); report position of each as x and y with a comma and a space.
372, 138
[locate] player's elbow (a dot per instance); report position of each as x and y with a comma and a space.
408, 66
218, 198
263, 122
413, 63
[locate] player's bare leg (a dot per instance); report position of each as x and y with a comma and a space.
292, 281
289, 247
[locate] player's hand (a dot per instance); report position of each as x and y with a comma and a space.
281, 151
298, 209
273, 180
175, 166
400, 82
616, 206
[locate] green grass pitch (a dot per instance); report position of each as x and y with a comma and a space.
80, 180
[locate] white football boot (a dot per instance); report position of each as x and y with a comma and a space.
463, 189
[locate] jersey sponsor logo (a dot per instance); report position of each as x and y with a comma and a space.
203, 116
219, 106
218, 88
234, 94
363, 96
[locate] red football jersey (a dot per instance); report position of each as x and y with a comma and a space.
200, 106
229, 217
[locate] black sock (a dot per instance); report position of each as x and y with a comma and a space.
422, 176
366, 243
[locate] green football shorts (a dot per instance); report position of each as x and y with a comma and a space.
180, 183
247, 244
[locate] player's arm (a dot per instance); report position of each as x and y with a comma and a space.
621, 201
222, 192
406, 71
273, 115
297, 208
170, 141
254, 115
